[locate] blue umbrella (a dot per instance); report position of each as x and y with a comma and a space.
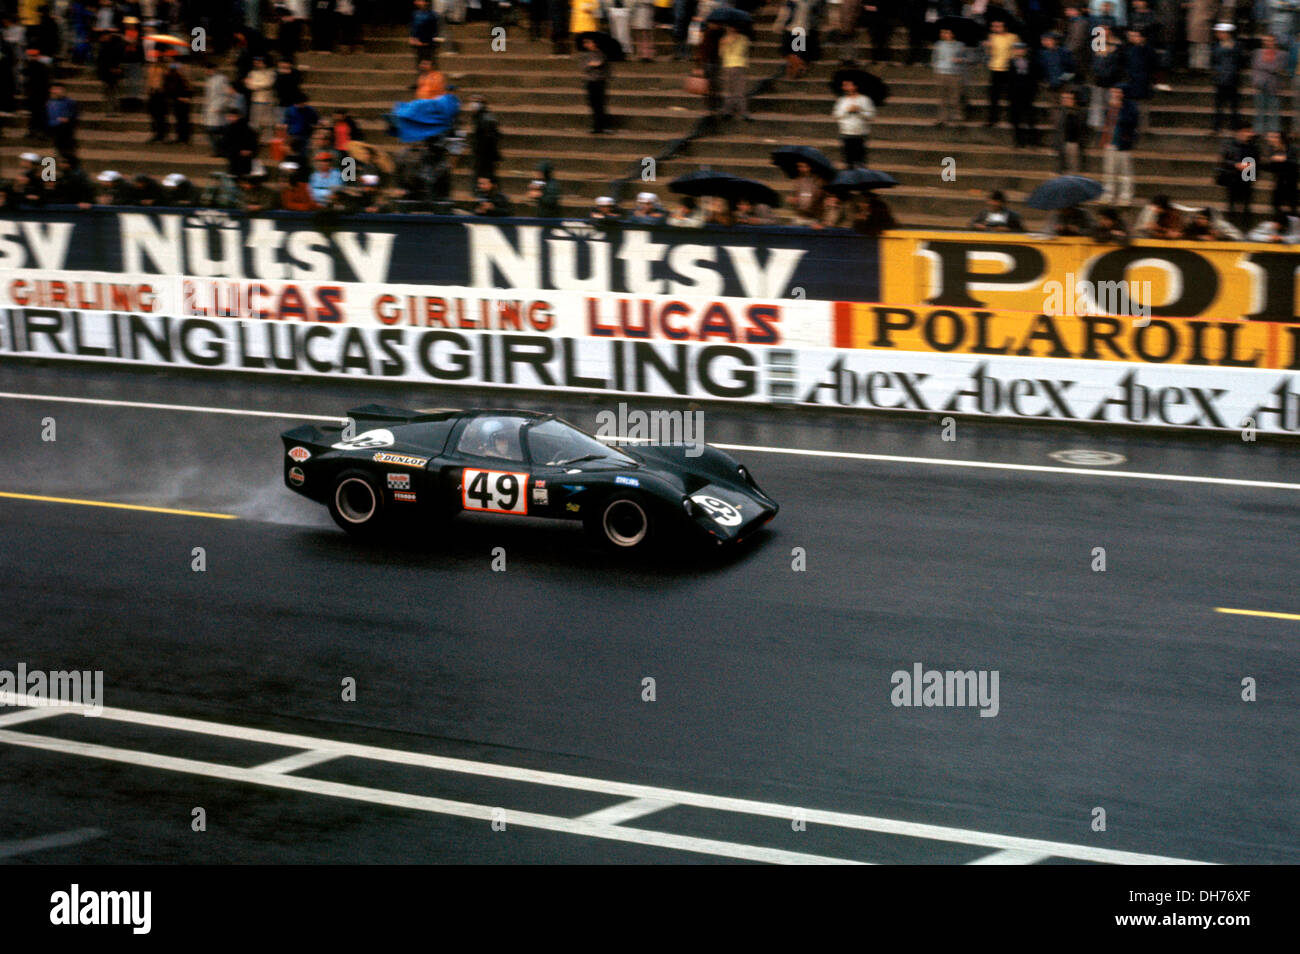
861, 180
419, 119
1063, 192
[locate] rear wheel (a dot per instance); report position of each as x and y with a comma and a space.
356, 503
622, 523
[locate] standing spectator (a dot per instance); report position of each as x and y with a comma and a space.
260, 82
322, 26
643, 29
1236, 173
344, 131
853, 111
880, 25
1078, 38
238, 144
799, 25
1024, 87
1107, 73
595, 70
734, 50
683, 16
180, 95
537, 16
618, 13
1282, 161
559, 27
1055, 65
423, 32
216, 98
1200, 18
1071, 137
349, 25
108, 66
584, 16
1000, 45
300, 121
431, 84
288, 85
1266, 69
1118, 137
158, 112
61, 118
484, 139
948, 60
1139, 67
997, 216
133, 72
1225, 68
289, 41
36, 83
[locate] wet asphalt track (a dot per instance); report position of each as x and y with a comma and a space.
1118, 689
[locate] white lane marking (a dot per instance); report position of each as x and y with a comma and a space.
103, 402
630, 790
13, 849
992, 465
794, 451
299, 760
25, 715
1011, 858
625, 811
442, 806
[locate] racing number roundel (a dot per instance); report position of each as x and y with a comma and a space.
496, 491
721, 511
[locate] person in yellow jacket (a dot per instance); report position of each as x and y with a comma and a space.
584, 17
734, 51
29, 12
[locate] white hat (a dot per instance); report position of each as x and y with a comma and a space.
30, 157
605, 200
537, 184
647, 197
288, 167
1224, 28
174, 179
370, 179
108, 175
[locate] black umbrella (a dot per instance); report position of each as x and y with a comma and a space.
724, 185
1063, 192
788, 158
612, 49
964, 29
861, 180
730, 16
868, 84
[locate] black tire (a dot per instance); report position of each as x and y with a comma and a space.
623, 523
357, 504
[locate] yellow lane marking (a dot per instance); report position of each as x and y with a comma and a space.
119, 506
1242, 612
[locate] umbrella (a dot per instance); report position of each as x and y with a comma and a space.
868, 84
420, 119
724, 185
788, 158
612, 49
1063, 192
964, 29
167, 40
861, 180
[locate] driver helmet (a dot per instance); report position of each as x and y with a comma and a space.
493, 439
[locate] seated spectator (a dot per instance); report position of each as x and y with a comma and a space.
687, 215
548, 201
869, 214
71, 186
326, 180
1203, 228
256, 196
178, 191
107, 186
1073, 220
238, 144
223, 193
145, 191
1110, 227
717, 211
296, 195
750, 213
300, 121
1278, 229
809, 195
372, 199
606, 209
345, 131
647, 210
997, 216
489, 200
1159, 220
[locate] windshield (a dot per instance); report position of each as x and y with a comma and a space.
554, 442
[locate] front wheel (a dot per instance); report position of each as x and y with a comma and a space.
622, 523
356, 503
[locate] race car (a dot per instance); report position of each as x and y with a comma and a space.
390, 464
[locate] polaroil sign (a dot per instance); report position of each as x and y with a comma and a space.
980, 331
1022, 273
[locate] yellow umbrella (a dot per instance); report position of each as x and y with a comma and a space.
167, 39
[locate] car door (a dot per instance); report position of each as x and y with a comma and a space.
487, 470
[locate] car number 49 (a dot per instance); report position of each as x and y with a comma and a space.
497, 491
721, 511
